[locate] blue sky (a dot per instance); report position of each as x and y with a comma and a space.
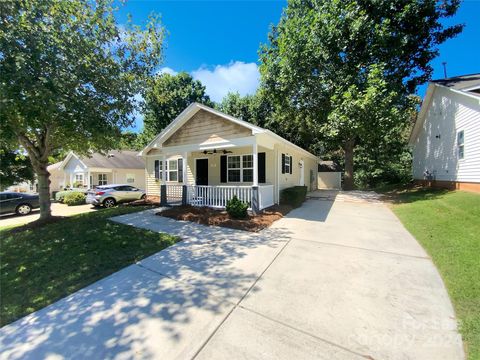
218, 41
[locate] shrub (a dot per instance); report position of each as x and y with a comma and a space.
293, 196
74, 198
236, 208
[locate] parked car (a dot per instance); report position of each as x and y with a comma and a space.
20, 203
59, 195
110, 195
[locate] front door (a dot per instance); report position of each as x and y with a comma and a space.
201, 177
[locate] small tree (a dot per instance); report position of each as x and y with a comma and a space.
68, 77
166, 96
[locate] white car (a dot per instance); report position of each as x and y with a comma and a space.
110, 195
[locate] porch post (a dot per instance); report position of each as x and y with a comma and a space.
89, 186
185, 180
255, 197
163, 187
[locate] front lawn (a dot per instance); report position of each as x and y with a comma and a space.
42, 265
447, 224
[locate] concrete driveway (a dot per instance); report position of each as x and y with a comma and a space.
338, 278
57, 210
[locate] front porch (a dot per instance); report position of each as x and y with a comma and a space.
258, 198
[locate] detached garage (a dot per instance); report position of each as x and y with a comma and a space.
329, 175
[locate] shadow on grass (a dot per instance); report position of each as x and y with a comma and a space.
410, 194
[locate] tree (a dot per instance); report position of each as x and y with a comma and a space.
15, 168
166, 96
252, 108
340, 71
68, 77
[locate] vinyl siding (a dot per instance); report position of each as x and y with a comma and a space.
204, 128
449, 113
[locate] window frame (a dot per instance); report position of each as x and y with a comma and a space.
130, 176
241, 168
461, 145
79, 181
101, 179
287, 164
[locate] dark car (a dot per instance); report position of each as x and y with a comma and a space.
20, 203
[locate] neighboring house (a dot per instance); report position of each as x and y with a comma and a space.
116, 167
329, 175
446, 135
204, 157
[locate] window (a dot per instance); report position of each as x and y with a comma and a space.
102, 179
79, 179
288, 164
172, 170
158, 169
130, 178
461, 144
240, 168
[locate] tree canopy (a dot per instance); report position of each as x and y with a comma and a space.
166, 96
68, 77
338, 72
252, 108
15, 168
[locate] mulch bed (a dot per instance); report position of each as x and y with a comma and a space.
209, 216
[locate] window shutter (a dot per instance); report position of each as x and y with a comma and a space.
157, 169
283, 163
180, 170
291, 164
261, 168
223, 168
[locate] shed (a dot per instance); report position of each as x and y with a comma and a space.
329, 175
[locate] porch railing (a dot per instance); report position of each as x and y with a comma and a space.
217, 196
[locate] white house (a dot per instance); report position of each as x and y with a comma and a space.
116, 167
446, 135
204, 157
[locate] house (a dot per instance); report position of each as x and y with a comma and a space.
329, 175
446, 136
115, 167
205, 157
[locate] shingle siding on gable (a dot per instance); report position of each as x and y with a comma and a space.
204, 128
448, 113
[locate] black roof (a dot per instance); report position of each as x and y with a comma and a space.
328, 166
460, 82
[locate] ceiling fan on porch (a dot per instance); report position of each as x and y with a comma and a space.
214, 151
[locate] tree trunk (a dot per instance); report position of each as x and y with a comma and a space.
44, 190
348, 178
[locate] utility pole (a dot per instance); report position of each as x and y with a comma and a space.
444, 69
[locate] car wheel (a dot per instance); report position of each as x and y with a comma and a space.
143, 197
108, 203
23, 209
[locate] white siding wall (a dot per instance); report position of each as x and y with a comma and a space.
449, 112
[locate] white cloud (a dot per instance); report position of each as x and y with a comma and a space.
235, 77
167, 70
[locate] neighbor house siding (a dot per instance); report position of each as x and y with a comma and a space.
204, 128
435, 148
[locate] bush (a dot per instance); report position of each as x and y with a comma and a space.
60, 195
236, 208
293, 196
74, 198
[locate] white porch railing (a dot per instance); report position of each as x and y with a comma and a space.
217, 196
174, 193
265, 195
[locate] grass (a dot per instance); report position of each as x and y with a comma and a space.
447, 224
41, 265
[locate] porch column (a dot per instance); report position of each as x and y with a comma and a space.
185, 180
89, 186
163, 187
255, 196
255, 164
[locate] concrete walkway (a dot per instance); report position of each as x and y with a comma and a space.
335, 279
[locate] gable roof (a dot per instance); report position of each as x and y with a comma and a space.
193, 108
115, 159
466, 85
463, 82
